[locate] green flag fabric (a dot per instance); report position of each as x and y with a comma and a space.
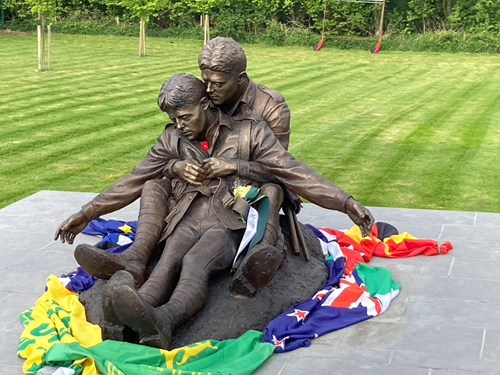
237, 357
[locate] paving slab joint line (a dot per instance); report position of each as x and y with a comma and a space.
391, 354
280, 372
483, 342
441, 232
451, 266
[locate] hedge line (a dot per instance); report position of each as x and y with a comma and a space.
443, 41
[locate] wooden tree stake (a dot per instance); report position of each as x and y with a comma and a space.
49, 45
142, 38
41, 52
381, 25
206, 29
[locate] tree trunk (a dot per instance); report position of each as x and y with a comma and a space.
423, 16
2, 14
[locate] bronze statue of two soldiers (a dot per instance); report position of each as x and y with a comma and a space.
226, 133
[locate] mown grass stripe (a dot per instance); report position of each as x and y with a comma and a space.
105, 82
85, 172
335, 129
72, 141
453, 159
384, 127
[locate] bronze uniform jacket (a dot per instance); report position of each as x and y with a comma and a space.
224, 137
259, 101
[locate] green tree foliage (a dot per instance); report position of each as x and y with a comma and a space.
141, 9
204, 6
17, 9
246, 19
487, 15
237, 18
423, 15
43, 9
476, 15
80, 8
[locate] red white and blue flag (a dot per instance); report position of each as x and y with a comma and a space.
354, 291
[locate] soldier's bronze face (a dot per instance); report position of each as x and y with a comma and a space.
221, 87
191, 120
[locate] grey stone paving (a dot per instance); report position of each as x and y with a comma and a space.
445, 321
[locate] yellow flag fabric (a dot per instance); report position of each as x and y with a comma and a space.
355, 234
402, 245
58, 317
57, 334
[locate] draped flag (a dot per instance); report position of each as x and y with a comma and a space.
117, 236
354, 291
57, 318
386, 244
348, 297
57, 334
239, 357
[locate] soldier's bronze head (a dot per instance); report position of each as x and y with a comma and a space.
223, 69
223, 55
184, 99
180, 90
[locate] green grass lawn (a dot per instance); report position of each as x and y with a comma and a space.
407, 130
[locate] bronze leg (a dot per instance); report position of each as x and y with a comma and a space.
273, 231
213, 252
161, 283
263, 261
152, 213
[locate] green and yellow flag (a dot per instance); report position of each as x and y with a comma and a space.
56, 333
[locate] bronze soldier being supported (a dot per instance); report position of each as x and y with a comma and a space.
202, 230
223, 65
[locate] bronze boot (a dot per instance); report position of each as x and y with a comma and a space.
112, 327
186, 301
151, 324
152, 213
155, 326
257, 270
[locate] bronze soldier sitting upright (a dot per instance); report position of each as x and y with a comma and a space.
202, 230
223, 67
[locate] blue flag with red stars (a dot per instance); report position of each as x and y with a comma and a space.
351, 295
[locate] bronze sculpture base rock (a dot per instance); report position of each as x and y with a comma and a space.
226, 316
